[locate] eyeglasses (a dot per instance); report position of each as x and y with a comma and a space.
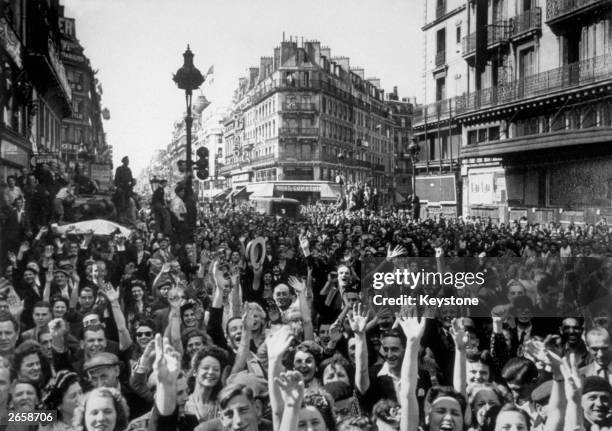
144, 334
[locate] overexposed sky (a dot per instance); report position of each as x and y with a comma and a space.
137, 45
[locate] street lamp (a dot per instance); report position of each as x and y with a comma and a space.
188, 78
413, 151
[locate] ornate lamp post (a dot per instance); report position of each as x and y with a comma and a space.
413, 151
189, 78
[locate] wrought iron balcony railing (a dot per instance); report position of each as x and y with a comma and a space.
557, 9
562, 78
298, 131
497, 33
295, 106
531, 20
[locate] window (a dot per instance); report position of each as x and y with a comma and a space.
432, 148
471, 137
440, 89
458, 37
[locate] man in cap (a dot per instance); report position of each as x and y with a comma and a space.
124, 181
102, 370
596, 402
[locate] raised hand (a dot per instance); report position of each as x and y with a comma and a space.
460, 336
279, 341
410, 324
291, 384
572, 380
298, 285
111, 293
167, 361
248, 320
396, 252
148, 355
24, 247
358, 319
15, 303
57, 328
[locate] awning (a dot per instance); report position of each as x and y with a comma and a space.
331, 191
263, 190
240, 192
221, 195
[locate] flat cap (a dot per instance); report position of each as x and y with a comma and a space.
99, 360
542, 392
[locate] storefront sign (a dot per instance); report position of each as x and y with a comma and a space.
297, 188
10, 43
482, 189
44, 158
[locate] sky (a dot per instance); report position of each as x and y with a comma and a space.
136, 45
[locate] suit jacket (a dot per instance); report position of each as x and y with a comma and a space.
591, 370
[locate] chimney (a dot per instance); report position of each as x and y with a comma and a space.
375, 82
343, 62
277, 52
265, 67
359, 72
395, 92
288, 49
326, 52
253, 75
313, 50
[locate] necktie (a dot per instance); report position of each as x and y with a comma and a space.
603, 373
522, 337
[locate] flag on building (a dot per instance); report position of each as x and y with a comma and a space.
210, 75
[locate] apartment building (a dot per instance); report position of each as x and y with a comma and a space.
436, 130
537, 115
303, 122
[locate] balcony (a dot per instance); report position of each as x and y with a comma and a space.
434, 111
526, 24
498, 34
558, 11
294, 106
554, 80
298, 132
468, 45
440, 58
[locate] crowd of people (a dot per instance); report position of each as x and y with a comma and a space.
261, 323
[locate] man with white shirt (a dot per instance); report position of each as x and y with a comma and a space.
600, 349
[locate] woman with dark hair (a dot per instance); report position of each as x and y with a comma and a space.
63, 393
102, 409
30, 363
59, 307
306, 359
207, 378
136, 303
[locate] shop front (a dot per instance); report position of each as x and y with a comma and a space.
306, 192
437, 195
